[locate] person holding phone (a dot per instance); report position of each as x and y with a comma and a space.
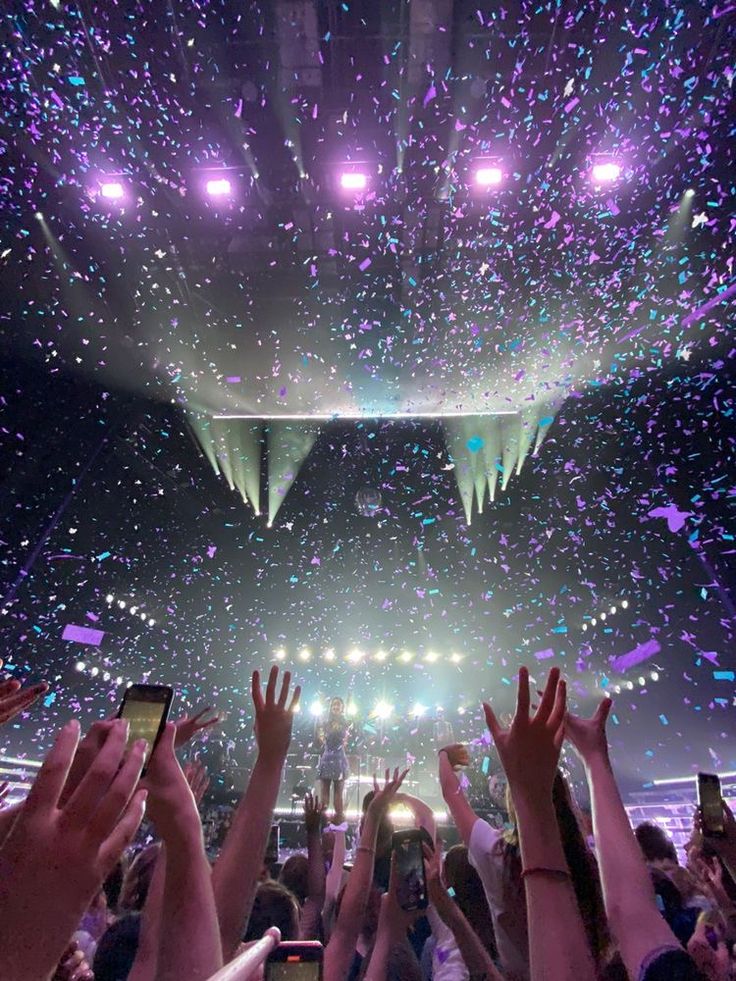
333, 767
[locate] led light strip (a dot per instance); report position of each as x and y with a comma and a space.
337, 416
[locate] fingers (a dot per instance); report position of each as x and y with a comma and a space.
255, 691
557, 715
603, 710
19, 700
492, 722
522, 695
295, 698
284, 689
273, 675
51, 777
119, 793
123, 833
95, 783
8, 686
548, 698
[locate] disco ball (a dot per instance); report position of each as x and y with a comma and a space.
368, 501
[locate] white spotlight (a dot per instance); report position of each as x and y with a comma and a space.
642, 680
380, 656
604, 173
689, 193
280, 654
430, 657
654, 675
109, 598
351, 709
305, 654
151, 622
456, 658
603, 615
329, 654
94, 672
122, 604
418, 710
613, 610
593, 622
488, 176
585, 626
624, 604
382, 710
133, 610
79, 665
316, 709
406, 657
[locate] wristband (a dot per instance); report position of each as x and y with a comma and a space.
541, 870
365, 848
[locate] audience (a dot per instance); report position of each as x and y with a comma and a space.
87, 896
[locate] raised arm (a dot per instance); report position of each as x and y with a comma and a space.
341, 947
529, 751
474, 954
636, 924
423, 813
393, 924
462, 813
316, 878
235, 875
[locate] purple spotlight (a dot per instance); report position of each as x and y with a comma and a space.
353, 180
218, 187
604, 173
487, 176
112, 190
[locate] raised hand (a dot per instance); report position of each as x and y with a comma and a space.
87, 750
14, 698
530, 748
171, 802
187, 727
588, 736
274, 717
197, 777
56, 856
384, 796
73, 965
313, 813
457, 755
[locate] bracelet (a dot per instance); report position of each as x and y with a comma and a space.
541, 870
366, 848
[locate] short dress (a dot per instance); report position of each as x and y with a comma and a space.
333, 763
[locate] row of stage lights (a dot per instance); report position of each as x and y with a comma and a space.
354, 180
382, 710
603, 615
630, 685
96, 672
133, 609
357, 656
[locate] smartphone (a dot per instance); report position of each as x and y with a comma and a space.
146, 707
295, 961
711, 804
273, 847
412, 885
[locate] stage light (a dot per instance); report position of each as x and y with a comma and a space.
418, 710
351, 709
355, 656
79, 665
642, 681
488, 176
106, 676
38, 215
133, 610
316, 709
461, 710
654, 675
380, 656
329, 654
603, 616
613, 610
689, 192
406, 657
630, 685
593, 622
305, 654
604, 173
112, 190
624, 604
585, 626
151, 622
280, 654
122, 604
119, 680
142, 616
456, 658
94, 672
382, 710
218, 187
430, 657
109, 598
353, 180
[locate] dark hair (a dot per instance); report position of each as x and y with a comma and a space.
654, 843
583, 867
274, 905
294, 875
113, 885
117, 949
467, 888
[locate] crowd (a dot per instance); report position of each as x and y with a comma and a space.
104, 871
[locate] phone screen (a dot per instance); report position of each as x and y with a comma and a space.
146, 707
273, 847
711, 803
412, 886
294, 971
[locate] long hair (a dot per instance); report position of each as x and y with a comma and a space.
467, 887
580, 860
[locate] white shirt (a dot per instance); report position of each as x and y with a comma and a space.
506, 900
447, 964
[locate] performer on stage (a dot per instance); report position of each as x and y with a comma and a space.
333, 763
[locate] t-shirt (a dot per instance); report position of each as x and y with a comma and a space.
447, 962
669, 964
506, 900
